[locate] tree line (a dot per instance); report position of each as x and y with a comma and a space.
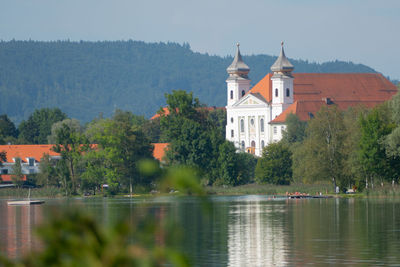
358, 147
108, 150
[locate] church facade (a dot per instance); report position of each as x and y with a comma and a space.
256, 115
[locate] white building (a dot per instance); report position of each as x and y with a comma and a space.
256, 116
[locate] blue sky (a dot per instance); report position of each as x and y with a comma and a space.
362, 31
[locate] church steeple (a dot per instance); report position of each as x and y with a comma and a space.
282, 64
238, 67
238, 82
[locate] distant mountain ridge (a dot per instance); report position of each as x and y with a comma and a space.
86, 79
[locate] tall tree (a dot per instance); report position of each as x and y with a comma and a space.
123, 145
275, 165
17, 175
321, 154
71, 145
7, 129
374, 128
38, 126
295, 129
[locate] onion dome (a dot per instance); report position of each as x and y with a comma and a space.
282, 64
238, 67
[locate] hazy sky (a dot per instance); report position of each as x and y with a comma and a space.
362, 31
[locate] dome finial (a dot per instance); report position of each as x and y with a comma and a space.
282, 64
238, 67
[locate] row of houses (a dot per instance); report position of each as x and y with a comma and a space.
31, 156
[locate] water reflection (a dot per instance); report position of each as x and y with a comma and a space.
242, 231
256, 234
16, 225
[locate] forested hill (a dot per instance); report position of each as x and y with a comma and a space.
85, 79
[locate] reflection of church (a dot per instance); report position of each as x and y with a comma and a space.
256, 116
256, 234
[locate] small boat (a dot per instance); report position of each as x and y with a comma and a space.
25, 202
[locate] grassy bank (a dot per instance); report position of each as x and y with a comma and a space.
49, 192
267, 189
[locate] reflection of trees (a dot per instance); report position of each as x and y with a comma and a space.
343, 231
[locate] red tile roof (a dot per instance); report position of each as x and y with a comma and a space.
37, 151
159, 150
344, 89
343, 86
27, 151
7, 178
264, 87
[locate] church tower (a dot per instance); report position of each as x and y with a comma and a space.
282, 84
238, 83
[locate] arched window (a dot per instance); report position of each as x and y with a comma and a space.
287, 92
253, 144
243, 92
243, 145
262, 144
232, 133
242, 125
276, 92
262, 125
232, 120
252, 122
231, 94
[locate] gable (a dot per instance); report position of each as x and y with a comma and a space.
251, 100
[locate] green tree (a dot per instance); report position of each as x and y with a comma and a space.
275, 165
7, 129
71, 145
295, 129
17, 174
73, 124
123, 145
320, 156
38, 126
47, 175
95, 172
196, 138
375, 126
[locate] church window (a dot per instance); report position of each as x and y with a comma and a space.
275, 130
243, 145
262, 125
287, 92
232, 133
276, 92
242, 125
231, 94
243, 92
232, 120
262, 144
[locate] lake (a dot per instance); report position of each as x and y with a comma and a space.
244, 230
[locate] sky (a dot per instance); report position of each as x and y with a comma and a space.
361, 31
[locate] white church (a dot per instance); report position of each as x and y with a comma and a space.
256, 115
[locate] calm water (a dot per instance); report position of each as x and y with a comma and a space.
246, 230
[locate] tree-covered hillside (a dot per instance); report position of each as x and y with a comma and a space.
85, 79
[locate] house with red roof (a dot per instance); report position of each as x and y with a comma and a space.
256, 116
32, 155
